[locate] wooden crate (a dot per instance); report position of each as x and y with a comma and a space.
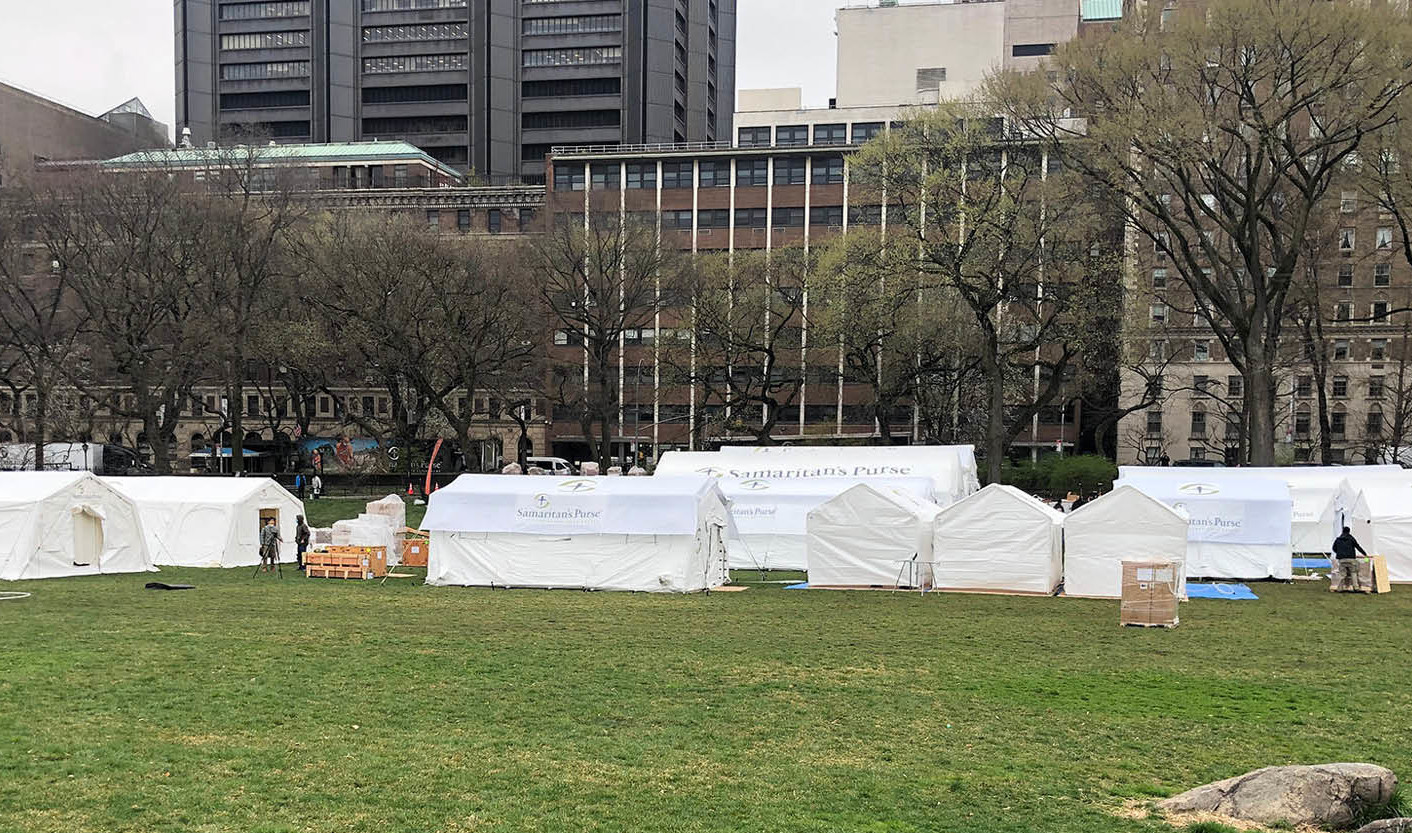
415, 552
346, 562
1149, 594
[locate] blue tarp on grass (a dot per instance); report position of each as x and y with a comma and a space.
803, 585
1235, 592
1311, 563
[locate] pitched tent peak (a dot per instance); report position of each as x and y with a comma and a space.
29, 485
896, 497
1124, 493
1000, 491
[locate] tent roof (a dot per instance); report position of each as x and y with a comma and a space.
1388, 500
1295, 476
825, 487
999, 491
28, 486
521, 484
1129, 505
548, 505
192, 489
901, 498
1199, 487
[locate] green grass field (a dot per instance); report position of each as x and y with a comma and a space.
314, 705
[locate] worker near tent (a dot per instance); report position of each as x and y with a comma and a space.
1346, 559
316, 485
301, 539
269, 545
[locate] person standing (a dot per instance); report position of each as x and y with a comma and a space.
301, 540
269, 545
299, 485
317, 484
1346, 560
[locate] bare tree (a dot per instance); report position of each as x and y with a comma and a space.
1217, 132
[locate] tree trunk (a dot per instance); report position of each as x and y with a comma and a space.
1326, 441
152, 428
995, 419
1260, 387
41, 419
236, 409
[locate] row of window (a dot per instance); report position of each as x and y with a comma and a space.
708, 173
571, 119
422, 32
573, 25
569, 87
493, 219
759, 218
255, 101
410, 5
1382, 275
415, 63
423, 92
264, 40
418, 124
578, 56
255, 11
1348, 238
798, 134
272, 69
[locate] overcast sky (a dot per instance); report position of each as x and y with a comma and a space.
95, 54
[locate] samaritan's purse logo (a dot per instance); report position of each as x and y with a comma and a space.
577, 486
711, 471
754, 485
541, 501
1198, 489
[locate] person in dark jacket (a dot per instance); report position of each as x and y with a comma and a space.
301, 539
1346, 548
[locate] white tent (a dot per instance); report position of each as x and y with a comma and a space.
210, 521
1317, 492
863, 536
657, 534
56, 524
952, 469
1123, 525
1382, 523
999, 539
1240, 526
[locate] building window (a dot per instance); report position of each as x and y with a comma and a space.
410, 5
715, 174
1377, 349
570, 87
863, 132
1338, 424
1340, 386
571, 119
1031, 50
750, 218
753, 137
568, 177
1382, 274
827, 170
463, 219
572, 25
789, 217
1348, 202
1340, 351
826, 215
604, 176
1235, 387
1383, 240
1374, 427
1301, 422
1157, 350
1302, 455
1380, 310
1198, 423
1345, 275
929, 78
431, 31
1200, 385
752, 172
1375, 387
864, 215
677, 219
1304, 387
272, 69
794, 134
713, 218
677, 174
1158, 313
257, 11
1154, 421
579, 56
452, 62
1159, 278
642, 175
1201, 351
830, 134
789, 171
415, 124
492, 221
1346, 240
265, 40
433, 218
1343, 310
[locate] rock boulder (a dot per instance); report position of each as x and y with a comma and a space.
1325, 795
1388, 826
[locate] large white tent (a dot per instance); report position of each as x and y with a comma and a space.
1240, 527
865, 537
1123, 525
657, 534
952, 467
999, 539
57, 524
210, 521
1382, 523
1319, 493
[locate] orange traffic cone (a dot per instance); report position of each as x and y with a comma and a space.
409, 488
435, 486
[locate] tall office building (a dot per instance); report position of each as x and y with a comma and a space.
485, 85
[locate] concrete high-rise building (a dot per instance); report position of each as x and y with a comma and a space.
488, 86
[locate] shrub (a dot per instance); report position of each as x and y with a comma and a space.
1083, 474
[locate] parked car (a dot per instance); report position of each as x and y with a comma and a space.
553, 465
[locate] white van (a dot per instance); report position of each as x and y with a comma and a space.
554, 465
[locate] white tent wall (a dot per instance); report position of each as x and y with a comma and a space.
861, 537
589, 533
210, 521
47, 518
1382, 523
999, 539
1123, 525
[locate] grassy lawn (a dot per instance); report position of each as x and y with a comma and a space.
311, 705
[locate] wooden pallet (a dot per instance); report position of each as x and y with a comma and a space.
1167, 625
415, 552
313, 571
346, 562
